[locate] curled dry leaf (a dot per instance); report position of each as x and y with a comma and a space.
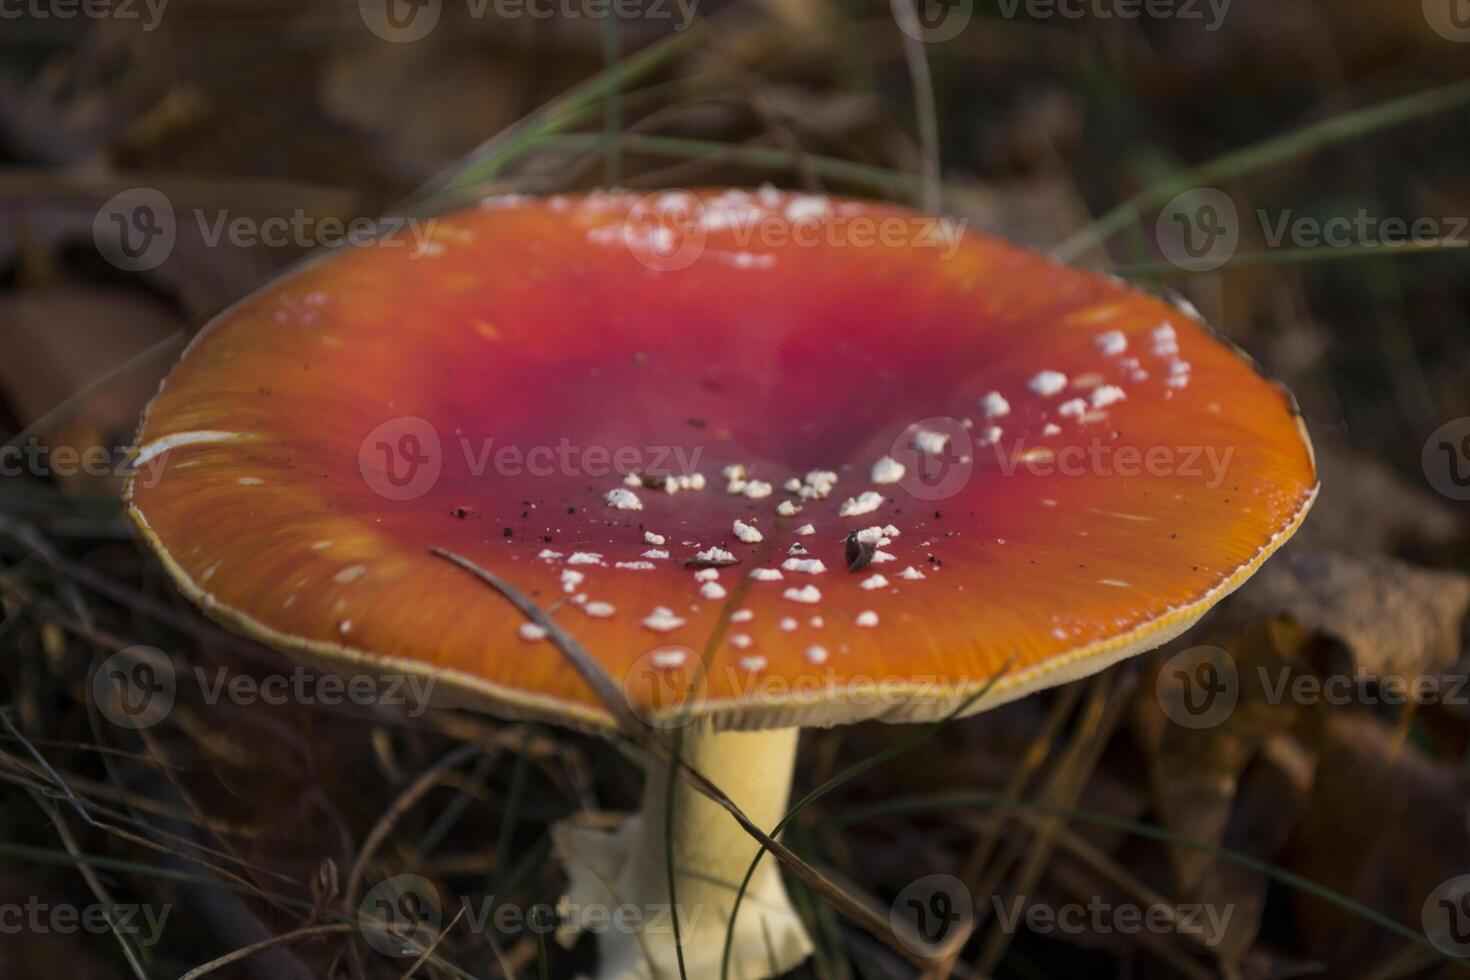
1196, 773
1245, 781
1392, 617
1272, 793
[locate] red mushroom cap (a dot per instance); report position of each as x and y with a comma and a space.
1076, 470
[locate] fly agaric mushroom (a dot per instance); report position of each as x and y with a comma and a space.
843, 478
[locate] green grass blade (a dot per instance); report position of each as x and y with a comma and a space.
1293, 256
1327, 132
487, 160
612, 104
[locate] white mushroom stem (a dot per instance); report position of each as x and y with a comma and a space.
622, 868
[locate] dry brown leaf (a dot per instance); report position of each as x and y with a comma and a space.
1393, 617
1243, 781
1385, 826
1272, 793
1196, 773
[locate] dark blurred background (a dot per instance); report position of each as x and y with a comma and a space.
1295, 168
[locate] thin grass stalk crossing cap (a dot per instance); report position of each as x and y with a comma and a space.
872, 457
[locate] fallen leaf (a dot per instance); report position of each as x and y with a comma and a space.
1391, 616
